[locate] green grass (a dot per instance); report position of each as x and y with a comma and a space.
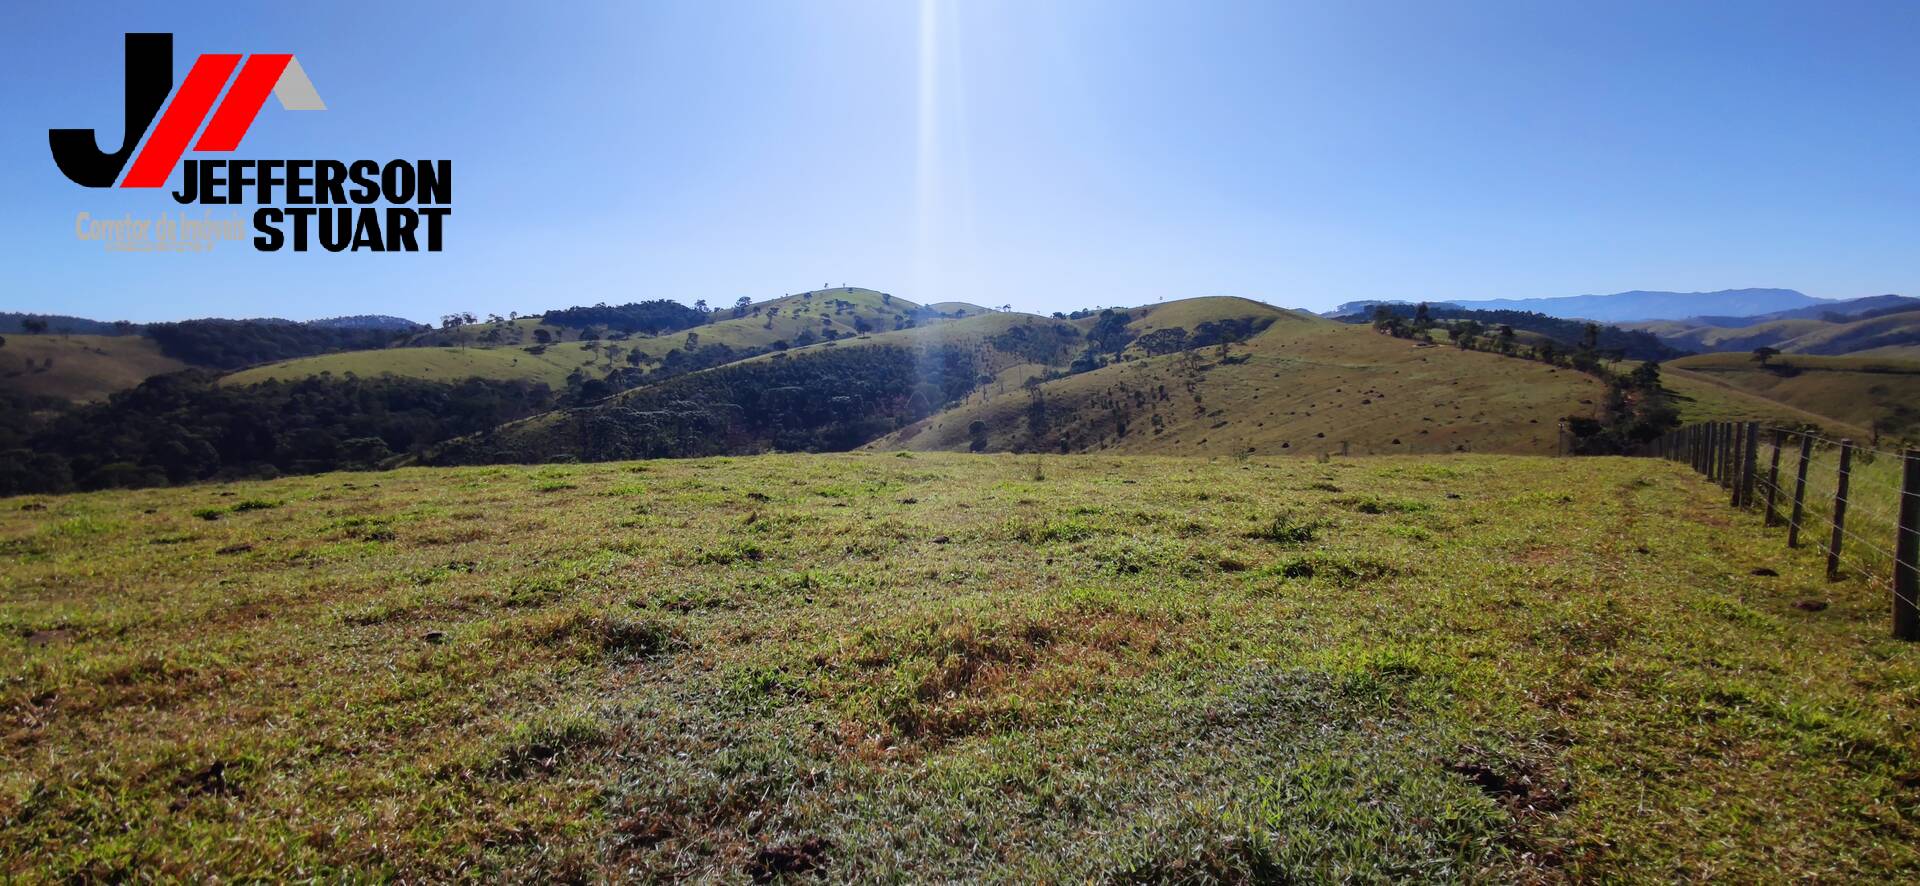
552, 365
1849, 395
1304, 386
462, 352
872, 666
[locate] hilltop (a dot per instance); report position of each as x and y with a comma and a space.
1303, 385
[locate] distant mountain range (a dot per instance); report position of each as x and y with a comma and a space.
1725, 307
1622, 307
15, 322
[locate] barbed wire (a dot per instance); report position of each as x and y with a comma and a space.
1819, 499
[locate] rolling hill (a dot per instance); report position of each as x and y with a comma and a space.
550, 364
80, 368
497, 350
1304, 385
1879, 331
1854, 395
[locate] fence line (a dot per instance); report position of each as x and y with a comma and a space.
1860, 503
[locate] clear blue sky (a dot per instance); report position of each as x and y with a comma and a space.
1050, 154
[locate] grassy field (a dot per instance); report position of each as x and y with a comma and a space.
871, 666
1883, 335
1847, 394
84, 367
552, 365
445, 354
1304, 385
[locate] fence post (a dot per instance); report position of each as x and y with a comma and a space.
1749, 464
1728, 448
1906, 553
1728, 454
1734, 477
1840, 509
1713, 450
1773, 477
1799, 491
1733, 458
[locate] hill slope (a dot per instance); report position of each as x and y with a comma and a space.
1879, 331
1859, 394
1305, 386
551, 365
80, 367
794, 320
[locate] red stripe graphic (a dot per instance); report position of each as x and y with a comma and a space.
244, 98
170, 136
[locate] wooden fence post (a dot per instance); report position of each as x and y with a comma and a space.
1713, 450
1736, 477
1799, 491
1906, 553
1840, 509
1773, 477
1749, 464
1733, 457
1729, 452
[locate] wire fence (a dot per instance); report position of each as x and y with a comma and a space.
1860, 505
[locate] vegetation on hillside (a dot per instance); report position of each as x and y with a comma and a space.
1304, 385
1618, 343
820, 400
185, 427
234, 344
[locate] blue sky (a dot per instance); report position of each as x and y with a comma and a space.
1050, 154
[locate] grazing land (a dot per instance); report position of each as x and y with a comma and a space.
1305, 385
874, 665
1855, 395
550, 364
79, 367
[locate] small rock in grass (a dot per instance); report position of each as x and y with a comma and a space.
434, 636
1811, 605
940, 539
1764, 571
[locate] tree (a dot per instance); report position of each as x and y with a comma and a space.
542, 336
1763, 354
1422, 317
977, 435
741, 307
34, 326
700, 305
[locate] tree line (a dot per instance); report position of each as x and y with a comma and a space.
185, 427
816, 401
